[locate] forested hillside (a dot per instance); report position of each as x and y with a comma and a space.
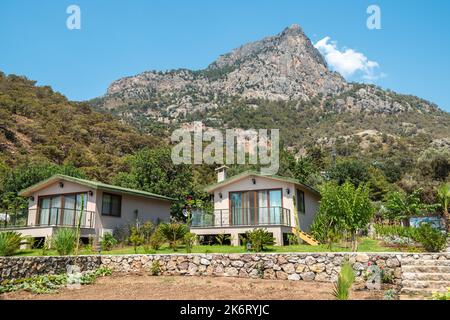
38, 125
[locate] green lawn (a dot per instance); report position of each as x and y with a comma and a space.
365, 245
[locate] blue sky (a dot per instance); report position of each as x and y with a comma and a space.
124, 38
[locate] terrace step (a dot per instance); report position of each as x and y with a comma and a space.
425, 262
425, 276
427, 284
425, 269
415, 292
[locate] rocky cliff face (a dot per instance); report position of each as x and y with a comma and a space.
281, 67
258, 80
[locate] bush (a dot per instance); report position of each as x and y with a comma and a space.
344, 282
292, 240
136, 238
64, 241
431, 238
156, 240
9, 243
396, 231
173, 233
259, 239
189, 241
147, 229
108, 242
223, 238
155, 269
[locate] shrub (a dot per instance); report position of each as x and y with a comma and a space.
222, 238
387, 276
156, 240
395, 230
155, 269
173, 233
344, 282
431, 238
64, 241
189, 241
259, 239
136, 238
90, 276
46, 246
147, 229
292, 240
122, 234
108, 242
9, 243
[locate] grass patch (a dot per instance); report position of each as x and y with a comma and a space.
365, 245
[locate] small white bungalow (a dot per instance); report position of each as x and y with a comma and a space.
58, 202
250, 200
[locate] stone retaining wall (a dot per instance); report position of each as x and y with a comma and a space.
292, 266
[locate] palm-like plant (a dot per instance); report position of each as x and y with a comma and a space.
173, 232
444, 199
344, 283
9, 243
401, 206
64, 241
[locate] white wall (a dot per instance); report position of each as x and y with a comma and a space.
148, 209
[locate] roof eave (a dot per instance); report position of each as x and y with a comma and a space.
243, 175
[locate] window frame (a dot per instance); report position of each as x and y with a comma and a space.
298, 192
109, 214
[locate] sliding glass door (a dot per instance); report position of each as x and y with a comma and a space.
261, 207
61, 209
49, 210
275, 206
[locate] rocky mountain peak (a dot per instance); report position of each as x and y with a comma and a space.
281, 67
293, 30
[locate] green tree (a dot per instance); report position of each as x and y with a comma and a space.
444, 199
152, 170
343, 209
400, 206
353, 171
434, 163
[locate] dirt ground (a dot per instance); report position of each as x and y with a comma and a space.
144, 287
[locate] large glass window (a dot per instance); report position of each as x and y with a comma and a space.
111, 205
60, 209
260, 207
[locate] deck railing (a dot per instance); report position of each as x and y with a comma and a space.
47, 217
259, 216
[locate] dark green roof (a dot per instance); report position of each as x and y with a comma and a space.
254, 173
94, 185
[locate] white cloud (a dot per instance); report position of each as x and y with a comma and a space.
348, 62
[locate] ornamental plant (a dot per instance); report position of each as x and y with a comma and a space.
173, 233
432, 239
9, 243
108, 242
259, 239
64, 241
344, 283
